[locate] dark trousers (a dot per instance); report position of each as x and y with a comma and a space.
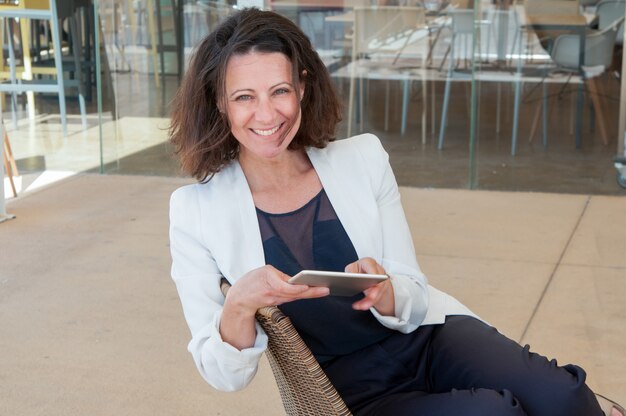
462, 367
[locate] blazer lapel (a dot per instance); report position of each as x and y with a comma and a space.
240, 237
343, 197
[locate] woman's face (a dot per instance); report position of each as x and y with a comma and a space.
262, 103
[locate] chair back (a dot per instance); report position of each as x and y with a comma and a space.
608, 11
304, 387
462, 21
385, 28
598, 47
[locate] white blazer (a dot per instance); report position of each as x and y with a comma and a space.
214, 232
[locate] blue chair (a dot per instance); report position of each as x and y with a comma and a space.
386, 32
599, 47
52, 13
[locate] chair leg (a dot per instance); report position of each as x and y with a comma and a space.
362, 88
544, 108
77, 49
446, 95
12, 71
543, 111
56, 42
406, 83
351, 104
424, 107
433, 113
9, 162
444, 112
572, 111
468, 99
8, 153
597, 105
498, 99
153, 42
533, 127
133, 35
387, 105
28, 71
445, 55
516, 104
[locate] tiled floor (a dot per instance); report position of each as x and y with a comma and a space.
91, 322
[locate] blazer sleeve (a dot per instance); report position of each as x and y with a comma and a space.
398, 258
197, 278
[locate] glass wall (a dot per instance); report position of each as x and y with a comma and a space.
544, 121
483, 94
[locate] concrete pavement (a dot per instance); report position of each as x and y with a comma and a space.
91, 323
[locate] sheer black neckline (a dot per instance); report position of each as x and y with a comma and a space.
282, 214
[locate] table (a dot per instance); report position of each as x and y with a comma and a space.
318, 4
347, 17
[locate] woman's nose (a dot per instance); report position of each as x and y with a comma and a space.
265, 110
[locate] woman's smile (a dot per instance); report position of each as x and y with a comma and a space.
267, 132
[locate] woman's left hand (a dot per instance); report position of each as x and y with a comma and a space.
379, 296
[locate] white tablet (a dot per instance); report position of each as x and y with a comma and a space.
339, 283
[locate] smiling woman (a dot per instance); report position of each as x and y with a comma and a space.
253, 122
200, 128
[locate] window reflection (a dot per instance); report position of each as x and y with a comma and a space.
484, 95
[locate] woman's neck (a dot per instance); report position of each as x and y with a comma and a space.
283, 185
282, 173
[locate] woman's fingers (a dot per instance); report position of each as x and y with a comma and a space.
310, 293
380, 297
375, 296
352, 268
279, 291
365, 265
294, 292
372, 295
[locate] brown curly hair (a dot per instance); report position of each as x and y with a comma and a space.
201, 134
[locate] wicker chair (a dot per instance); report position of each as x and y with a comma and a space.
304, 388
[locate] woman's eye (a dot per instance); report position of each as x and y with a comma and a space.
243, 98
281, 91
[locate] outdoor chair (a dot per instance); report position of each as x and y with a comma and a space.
382, 35
53, 13
587, 4
598, 57
608, 11
304, 387
464, 28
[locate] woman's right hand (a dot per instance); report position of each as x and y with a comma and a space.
265, 286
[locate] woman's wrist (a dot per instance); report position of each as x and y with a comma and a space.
237, 325
236, 304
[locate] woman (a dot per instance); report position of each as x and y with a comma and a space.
254, 122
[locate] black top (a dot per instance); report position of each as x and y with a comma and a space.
312, 237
